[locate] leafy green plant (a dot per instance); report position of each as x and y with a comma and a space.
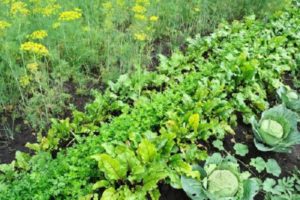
290, 98
271, 166
277, 130
218, 144
241, 149
221, 179
140, 168
286, 188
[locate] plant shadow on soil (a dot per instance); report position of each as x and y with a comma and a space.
169, 193
8, 146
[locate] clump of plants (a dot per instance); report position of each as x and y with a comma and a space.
42, 56
290, 98
284, 188
276, 130
221, 179
151, 128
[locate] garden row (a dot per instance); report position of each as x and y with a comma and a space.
45, 65
150, 128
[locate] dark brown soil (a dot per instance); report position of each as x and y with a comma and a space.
8, 146
169, 193
163, 47
80, 100
288, 80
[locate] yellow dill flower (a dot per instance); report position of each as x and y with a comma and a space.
51, 9
153, 18
70, 15
24, 80
40, 34
4, 25
140, 17
48, 10
140, 36
35, 48
19, 7
32, 67
138, 9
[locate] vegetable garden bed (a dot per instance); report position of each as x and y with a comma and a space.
216, 122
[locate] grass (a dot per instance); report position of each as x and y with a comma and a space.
90, 43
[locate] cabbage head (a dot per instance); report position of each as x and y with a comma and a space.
290, 98
221, 180
277, 130
222, 183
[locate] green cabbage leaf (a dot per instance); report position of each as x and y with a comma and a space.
277, 130
290, 98
221, 180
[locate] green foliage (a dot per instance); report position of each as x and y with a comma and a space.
286, 188
214, 107
258, 163
241, 149
271, 166
222, 180
277, 130
290, 98
111, 38
142, 167
145, 128
218, 144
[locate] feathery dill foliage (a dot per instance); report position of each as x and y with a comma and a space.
86, 42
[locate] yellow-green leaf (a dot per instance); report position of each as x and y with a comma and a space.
194, 121
111, 167
147, 151
109, 194
100, 184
